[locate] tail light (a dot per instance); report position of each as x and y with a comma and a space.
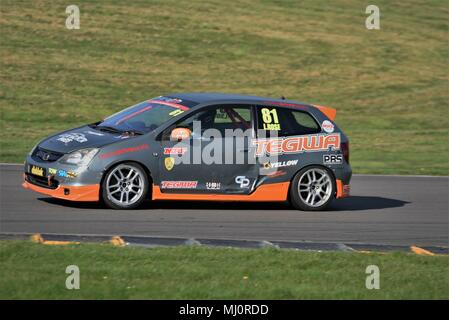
345, 150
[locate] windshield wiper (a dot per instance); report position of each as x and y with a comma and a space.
106, 128
134, 132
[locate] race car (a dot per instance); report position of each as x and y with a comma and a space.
198, 146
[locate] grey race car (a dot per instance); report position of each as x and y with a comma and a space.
198, 146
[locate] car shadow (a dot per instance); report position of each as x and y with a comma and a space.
360, 203
353, 203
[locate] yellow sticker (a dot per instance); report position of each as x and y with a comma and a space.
52, 171
176, 112
270, 119
37, 171
169, 163
71, 174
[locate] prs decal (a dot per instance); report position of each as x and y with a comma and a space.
317, 142
332, 159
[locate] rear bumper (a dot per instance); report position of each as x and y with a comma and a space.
73, 193
343, 190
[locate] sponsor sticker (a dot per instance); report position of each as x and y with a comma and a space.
176, 150
52, 171
243, 181
71, 174
316, 142
270, 165
167, 99
213, 185
179, 184
333, 159
176, 112
66, 174
169, 163
69, 137
328, 126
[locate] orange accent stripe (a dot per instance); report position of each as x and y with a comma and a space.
331, 113
266, 192
342, 189
77, 193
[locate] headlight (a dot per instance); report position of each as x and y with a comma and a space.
79, 158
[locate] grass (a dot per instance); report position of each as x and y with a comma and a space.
390, 86
35, 271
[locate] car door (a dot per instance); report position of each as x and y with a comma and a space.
215, 158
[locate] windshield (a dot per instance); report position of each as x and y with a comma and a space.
144, 117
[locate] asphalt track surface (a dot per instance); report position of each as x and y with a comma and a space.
394, 210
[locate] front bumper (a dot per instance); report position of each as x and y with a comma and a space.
73, 193
82, 186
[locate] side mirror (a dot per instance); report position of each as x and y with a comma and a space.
179, 134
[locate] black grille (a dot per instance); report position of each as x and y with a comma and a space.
43, 155
41, 181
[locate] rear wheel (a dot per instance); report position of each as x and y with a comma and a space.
125, 186
313, 189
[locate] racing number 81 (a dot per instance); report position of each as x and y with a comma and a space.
270, 119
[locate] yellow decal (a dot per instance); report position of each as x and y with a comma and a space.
270, 119
37, 171
176, 112
52, 171
169, 163
71, 174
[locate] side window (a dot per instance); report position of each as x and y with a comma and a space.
285, 122
217, 117
232, 117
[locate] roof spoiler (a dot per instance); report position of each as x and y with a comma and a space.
329, 112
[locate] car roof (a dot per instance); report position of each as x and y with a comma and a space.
207, 97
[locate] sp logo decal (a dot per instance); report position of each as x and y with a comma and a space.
242, 181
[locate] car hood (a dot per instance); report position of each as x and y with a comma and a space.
81, 138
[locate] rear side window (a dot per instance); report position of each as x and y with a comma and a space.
285, 122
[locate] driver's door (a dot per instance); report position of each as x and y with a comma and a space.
212, 154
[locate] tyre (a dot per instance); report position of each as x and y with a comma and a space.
125, 186
313, 189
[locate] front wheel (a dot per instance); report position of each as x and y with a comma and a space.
125, 186
313, 189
